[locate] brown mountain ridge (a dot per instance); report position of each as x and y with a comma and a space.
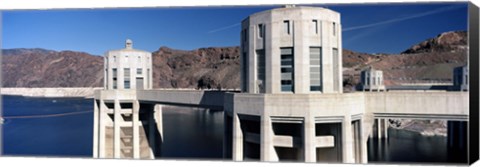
218, 67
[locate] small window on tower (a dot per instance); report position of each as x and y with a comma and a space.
260, 30
315, 26
334, 28
286, 26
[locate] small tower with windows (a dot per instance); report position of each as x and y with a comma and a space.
372, 80
128, 68
460, 78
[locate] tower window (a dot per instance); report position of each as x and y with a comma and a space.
260, 30
260, 71
315, 69
286, 26
244, 71
286, 69
126, 84
334, 28
139, 71
126, 78
315, 26
244, 35
114, 76
336, 74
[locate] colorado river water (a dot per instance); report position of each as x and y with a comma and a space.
70, 135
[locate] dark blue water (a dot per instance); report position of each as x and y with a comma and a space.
64, 136
407, 146
184, 129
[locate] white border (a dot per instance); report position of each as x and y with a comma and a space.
87, 4
64, 4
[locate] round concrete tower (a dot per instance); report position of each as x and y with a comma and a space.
128, 68
292, 50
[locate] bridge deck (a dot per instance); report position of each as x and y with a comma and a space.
414, 105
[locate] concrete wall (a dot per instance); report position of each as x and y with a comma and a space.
429, 105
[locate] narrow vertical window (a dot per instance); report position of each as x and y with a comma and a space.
334, 28
261, 71
139, 71
148, 79
114, 76
126, 78
315, 69
286, 69
244, 35
260, 30
286, 26
244, 71
336, 80
315, 26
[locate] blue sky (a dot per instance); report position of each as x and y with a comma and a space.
370, 28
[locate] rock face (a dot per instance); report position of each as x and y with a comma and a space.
454, 40
45, 68
430, 61
201, 68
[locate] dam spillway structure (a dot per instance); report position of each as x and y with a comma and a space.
291, 106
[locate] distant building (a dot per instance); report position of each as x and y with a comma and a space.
372, 80
292, 50
460, 78
128, 68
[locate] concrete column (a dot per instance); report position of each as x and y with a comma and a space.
363, 143
95, 128
151, 133
237, 143
356, 141
309, 149
159, 120
116, 129
267, 150
136, 130
102, 125
379, 128
347, 140
385, 128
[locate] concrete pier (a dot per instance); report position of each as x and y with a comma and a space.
381, 128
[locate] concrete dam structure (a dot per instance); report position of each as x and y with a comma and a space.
291, 105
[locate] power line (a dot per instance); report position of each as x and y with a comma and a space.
44, 116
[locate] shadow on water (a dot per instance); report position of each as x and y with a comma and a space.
410, 147
192, 133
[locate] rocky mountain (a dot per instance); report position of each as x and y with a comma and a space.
445, 42
46, 68
218, 67
201, 68
430, 61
